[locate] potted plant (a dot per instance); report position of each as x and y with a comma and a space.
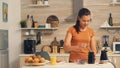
23, 24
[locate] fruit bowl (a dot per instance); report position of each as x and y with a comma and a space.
37, 64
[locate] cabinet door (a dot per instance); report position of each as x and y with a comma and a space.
4, 63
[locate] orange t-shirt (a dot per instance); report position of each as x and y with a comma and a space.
77, 40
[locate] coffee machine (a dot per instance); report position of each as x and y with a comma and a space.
29, 46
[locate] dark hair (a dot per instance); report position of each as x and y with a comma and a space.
82, 12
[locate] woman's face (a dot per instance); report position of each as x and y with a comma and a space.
84, 21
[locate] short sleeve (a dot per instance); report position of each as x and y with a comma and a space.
70, 30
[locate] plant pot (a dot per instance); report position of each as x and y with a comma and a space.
23, 26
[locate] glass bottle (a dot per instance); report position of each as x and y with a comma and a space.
32, 19
54, 45
29, 21
110, 21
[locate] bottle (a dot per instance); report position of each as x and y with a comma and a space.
35, 24
32, 22
54, 45
110, 21
40, 2
29, 22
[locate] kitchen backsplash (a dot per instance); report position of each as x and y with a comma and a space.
62, 11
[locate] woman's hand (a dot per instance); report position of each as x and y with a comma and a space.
83, 45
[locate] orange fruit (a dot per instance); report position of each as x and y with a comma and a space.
42, 60
36, 60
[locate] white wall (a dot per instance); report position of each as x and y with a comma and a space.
14, 32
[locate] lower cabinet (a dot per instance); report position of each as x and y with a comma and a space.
114, 58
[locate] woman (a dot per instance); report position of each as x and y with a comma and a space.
80, 39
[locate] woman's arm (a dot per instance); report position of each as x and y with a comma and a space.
67, 43
93, 44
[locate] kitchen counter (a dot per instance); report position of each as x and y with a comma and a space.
66, 54
65, 57
72, 65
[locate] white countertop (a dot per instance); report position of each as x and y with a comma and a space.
73, 65
66, 54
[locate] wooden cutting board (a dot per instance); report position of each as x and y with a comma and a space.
46, 48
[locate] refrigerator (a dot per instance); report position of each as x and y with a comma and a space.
4, 61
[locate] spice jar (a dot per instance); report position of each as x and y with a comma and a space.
62, 50
35, 24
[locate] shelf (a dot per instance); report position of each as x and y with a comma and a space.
105, 25
38, 28
37, 5
44, 31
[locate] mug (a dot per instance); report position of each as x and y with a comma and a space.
32, 32
27, 33
47, 25
91, 59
